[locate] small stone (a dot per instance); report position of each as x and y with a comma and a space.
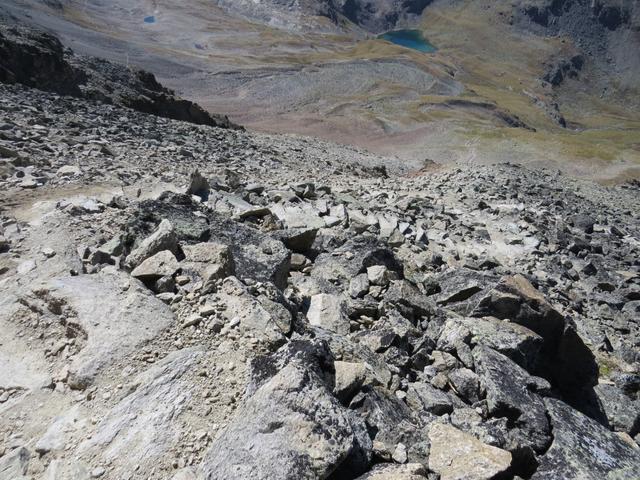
157, 266
207, 310
28, 184
298, 261
359, 286
327, 311
192, 320
400, 453
378, 275
97, 472
69, 171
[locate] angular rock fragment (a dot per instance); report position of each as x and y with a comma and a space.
622, 412
511, 392
422, 396
162, 264
199, 186
456, 455
210, 260
359, 285
349, 378
298, 240
328, 311
466, 383
392, 422
268, 325
515, 341
163, 238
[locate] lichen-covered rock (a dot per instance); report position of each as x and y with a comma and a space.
585, 450
291, 427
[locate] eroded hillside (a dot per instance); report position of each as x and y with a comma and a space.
537, 82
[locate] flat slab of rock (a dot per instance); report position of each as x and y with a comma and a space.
116, 312
142, 427
456, 455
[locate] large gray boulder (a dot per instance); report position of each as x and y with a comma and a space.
291, 427
564, 358
511, 392
512, 340
621, 411
582, 449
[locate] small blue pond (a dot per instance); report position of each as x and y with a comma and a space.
150, 19
409, 38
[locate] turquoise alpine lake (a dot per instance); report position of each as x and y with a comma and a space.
413, 39
150, 19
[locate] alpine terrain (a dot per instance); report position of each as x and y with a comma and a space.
320, 239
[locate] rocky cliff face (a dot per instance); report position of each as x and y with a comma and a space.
39, 60
374, 16
606, 31
380, 15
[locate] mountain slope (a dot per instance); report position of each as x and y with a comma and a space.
184, 301
39, 60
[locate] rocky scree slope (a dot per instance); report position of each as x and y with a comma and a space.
604, 31
37, 59
189, 302
374, 16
